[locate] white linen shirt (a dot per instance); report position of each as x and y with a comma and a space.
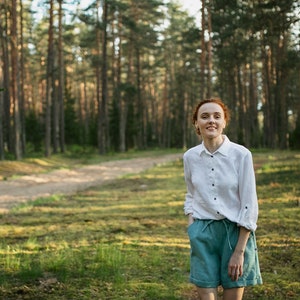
221, 184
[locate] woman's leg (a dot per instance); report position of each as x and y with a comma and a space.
233, 294
207, 293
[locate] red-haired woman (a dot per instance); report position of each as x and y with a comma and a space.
222, 208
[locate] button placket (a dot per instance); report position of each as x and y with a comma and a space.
212, 177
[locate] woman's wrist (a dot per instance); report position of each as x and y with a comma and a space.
239, 251
190, 219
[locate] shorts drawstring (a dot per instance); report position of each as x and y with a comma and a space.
226, 228
227, 232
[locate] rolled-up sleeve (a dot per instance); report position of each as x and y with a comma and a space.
247, 192
188, 204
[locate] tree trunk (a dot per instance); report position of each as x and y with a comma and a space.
103, 115
281, 94
1, 110
203, 52
86, 112
253, 107
122, 103
7, 121
4, 65
22, 82
61, 84
165, 112
49, 86
140, 109
98, 84
209, 54
15, 82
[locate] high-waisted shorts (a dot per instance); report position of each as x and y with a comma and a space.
212, 244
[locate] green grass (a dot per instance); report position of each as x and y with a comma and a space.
127, 239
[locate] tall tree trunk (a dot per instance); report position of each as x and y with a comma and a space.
253, 106
203, 52
206, 51
140, 109
15, 82
55, 110
1, 108
22, 81
4, 63
122, 101
165, 112
8, 128
241, 106
129, 93
61, 84
103, 115
230, 77
49, 87
209, 53
281, 94
98, 83
86, 112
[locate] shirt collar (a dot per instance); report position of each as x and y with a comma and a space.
223, 149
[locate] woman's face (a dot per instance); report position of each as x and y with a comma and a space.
210, 120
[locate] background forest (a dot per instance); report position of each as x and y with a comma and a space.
123, 74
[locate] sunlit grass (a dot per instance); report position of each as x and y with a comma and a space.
127, 239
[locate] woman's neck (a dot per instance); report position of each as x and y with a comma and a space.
213, 145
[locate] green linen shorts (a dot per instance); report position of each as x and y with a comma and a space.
212, 244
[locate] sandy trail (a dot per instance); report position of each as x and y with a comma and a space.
66, 182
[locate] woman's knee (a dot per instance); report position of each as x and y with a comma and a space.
233, 294
207, 293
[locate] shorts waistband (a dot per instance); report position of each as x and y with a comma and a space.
225, 222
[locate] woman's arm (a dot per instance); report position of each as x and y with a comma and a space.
236, 262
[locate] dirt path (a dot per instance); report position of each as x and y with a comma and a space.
16, 191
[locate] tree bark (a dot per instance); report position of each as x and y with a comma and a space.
49, 86
203, 52
122, 101
22, 82
61, 84
103, 115
15, 82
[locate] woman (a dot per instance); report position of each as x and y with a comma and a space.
222, 209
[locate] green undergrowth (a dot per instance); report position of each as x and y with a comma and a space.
127, 239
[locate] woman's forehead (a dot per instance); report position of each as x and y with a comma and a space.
211, 108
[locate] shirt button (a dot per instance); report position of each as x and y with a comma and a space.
215, 198
213, 184
211, 156
218, 213
212, 169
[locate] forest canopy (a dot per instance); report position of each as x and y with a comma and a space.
127, 74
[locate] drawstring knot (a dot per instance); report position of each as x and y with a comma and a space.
226, 228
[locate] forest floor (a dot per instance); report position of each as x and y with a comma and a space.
15, 191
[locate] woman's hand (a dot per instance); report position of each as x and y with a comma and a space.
190, 219
236, 262
235, 266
